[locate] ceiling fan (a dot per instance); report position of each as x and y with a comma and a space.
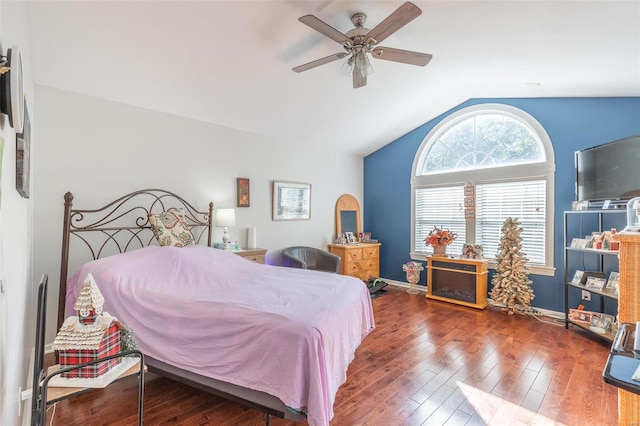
360, 41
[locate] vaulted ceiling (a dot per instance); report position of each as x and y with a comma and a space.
229, 62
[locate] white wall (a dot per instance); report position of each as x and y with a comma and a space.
17, 301
100, 150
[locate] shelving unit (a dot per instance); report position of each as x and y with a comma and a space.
579, 224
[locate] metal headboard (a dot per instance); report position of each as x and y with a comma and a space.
121, 226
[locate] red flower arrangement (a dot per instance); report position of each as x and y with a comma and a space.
440, 237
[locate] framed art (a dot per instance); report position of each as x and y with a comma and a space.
243, 192
469, 202
579, 315
472, 251
23, 156
612, 283
595, 283
587, 274
577, 278
600, 323
579, 243
291, 201
351, 239
469, 190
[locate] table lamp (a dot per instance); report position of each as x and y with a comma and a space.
224, 219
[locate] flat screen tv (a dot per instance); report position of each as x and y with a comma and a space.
610, 171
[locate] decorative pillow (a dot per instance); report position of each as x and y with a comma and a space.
171, 229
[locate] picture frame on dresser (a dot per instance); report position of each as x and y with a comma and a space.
351, 239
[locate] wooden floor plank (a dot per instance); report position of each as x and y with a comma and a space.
428, 362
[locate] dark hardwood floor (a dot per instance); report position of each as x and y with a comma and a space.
427, 363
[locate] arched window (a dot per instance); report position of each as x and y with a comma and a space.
479, 166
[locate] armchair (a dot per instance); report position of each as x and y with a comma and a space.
311, 258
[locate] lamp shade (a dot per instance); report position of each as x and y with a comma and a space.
225, 217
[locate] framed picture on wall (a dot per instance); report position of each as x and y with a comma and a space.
469, 190
243, 192
469, 202
291, 201
23, 156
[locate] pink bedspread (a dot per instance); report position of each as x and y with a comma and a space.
289, 332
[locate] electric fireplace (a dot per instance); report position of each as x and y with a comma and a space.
460, 281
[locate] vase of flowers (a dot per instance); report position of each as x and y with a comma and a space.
439, 239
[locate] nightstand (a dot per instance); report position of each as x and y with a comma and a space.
256, 254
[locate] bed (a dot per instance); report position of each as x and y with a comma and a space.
273, 338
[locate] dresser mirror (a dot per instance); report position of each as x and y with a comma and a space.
348, 215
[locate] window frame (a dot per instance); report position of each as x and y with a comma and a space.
540, 170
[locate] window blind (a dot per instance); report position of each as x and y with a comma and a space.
441, 207
524, 200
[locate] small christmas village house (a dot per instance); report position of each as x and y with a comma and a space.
89, 336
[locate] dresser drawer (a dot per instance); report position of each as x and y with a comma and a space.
353, 255
370, 252
367, 264
255, 255
370, 266
259, 258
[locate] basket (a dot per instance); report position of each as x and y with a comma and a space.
440, 250
629, 311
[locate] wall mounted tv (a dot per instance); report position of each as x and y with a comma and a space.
610, 171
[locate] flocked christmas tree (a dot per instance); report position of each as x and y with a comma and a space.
511, 283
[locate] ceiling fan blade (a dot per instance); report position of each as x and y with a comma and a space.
325, 29
319, 62
404, 56
359, 80
392, 23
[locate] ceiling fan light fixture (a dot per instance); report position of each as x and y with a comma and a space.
347, 67
363, 64
360, 40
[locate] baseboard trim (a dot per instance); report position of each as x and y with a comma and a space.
423, 289
401, 284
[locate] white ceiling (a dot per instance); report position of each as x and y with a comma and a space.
229, 62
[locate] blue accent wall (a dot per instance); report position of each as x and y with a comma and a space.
571, 123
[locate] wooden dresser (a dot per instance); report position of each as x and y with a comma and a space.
358, 260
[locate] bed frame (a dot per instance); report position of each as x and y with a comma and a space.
121, 226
